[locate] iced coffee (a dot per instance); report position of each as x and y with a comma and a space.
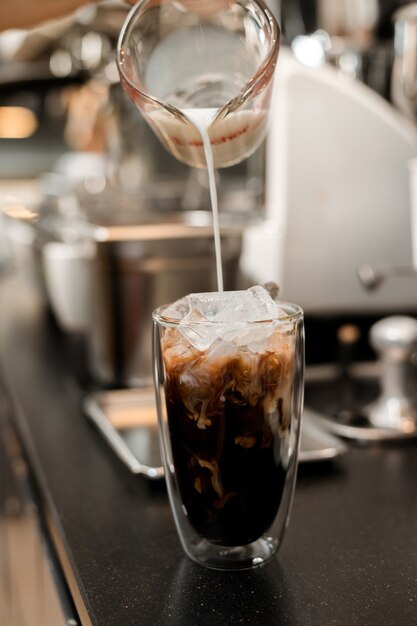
231, 366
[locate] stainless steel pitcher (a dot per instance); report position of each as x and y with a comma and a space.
104, 286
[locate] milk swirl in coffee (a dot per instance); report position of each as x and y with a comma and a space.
228, 398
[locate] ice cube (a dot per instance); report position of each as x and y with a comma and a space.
177, 310
213, 303
198, 330
219, 354
214, 315
248, 335
254, 304
262, 305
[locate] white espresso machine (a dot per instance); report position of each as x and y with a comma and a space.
337, 193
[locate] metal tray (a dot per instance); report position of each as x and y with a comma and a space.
127, 420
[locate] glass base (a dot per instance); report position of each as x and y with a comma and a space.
233, 557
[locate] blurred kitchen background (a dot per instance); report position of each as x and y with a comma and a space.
323, 207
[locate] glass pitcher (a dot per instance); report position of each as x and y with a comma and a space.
216, 59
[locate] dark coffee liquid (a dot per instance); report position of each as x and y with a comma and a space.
227, 449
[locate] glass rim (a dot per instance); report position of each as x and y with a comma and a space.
231, 104
295, 314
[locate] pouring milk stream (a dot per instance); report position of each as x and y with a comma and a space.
202, 118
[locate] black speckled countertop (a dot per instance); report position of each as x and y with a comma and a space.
349, 556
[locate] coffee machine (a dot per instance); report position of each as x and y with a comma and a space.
337, 192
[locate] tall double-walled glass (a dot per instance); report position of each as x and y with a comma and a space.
229, 423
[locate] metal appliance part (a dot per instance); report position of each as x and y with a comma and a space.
104, 286
395, 340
